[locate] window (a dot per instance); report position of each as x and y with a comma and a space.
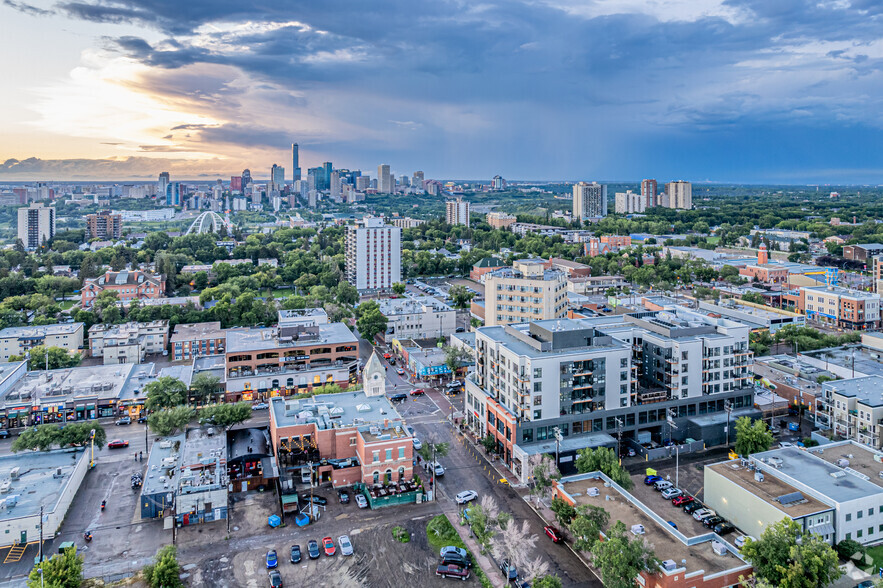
537, 386
401, 453
848, 518
527, 436
537, 400
623, 362
352, 441
542, 435
376, 457
870, 530
860, 514
858, 534
870, 512
849, 535
537, 415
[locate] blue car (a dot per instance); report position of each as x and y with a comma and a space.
673, 524
650, 480
272, 560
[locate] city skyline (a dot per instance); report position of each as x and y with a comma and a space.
711, 90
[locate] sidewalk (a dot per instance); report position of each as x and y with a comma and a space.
500, 471
481, 560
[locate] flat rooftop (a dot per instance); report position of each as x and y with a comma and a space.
841, 291
37, 483
328, 411
256, 339
770, 490
511, 342
867, 390
40, 330
80, 384
811, 470
663, 538
412, 305
860, 457
188, 332
866, 361
761, 313
163, 460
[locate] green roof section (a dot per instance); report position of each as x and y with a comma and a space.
490, 262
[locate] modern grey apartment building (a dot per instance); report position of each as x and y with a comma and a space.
667, 374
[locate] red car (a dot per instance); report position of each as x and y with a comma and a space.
386, 356
418, 392
118, 444
553, 534
681, 500
328, 545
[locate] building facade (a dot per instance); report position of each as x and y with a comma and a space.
36, 225
841, 307
457, 212
417, 317
104, 225
679, 194
129, 342
589, 200
192, 340
648, 193
373, 255
629, 203
19, 340
385, 180
500, 220
128, 284
527, 291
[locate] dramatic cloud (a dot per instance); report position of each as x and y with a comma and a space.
606, 89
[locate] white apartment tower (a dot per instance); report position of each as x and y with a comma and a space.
373, 255
36, 224
629, 203
589, 200
384, 180
680, 194
457, 212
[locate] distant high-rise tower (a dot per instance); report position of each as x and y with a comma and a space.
295, 163
246, 178
648, 193
277, 178
36, 225
417, 180
499, 183
327, 168
589, 200
384, 180
680, 194
163, 181
173, 194
335, 185
457, 212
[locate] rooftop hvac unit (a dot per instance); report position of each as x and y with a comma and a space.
58, 473
5, 487
842, 463
758, 476
718, 547
15, 473
669, 565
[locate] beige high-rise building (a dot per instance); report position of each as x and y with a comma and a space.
36, 225
589, 200
385, 182
680, 194
457, 212
628, 203
500, 220
528, 291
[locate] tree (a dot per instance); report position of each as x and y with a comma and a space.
620, 560
786, 558
587, 525
547, 581
166, 421
603, 459
514, 542
225, 415
399, 288
460, 295
544, 470
440, 450
564, 511
369, 320
752, 436
63, 570
165, 572
165, 392
456, 357
489, 443
58, 358
45, 437
204, 387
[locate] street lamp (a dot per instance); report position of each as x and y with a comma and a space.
728, 406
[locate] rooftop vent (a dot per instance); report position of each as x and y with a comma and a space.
838, 474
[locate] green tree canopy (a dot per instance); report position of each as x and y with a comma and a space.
460, 295
45, 437
603, 459
456, 357
165, 572
205, 387
369, 320
399, 288
225, 415
58, 358
166, 421
620, 559
564, 511
165, 392
785, 558
547, 581
752, 436
62, 570
587, 525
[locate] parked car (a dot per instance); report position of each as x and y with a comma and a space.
400, 371
418, 392
682, 500
361, 500
346, 547
438, 469
670, 493
118, 444
313, 549
631, 452
344, 496
741, 540
272, 560
673, 524
703, 513
275, 579
452, 571
328, 546
4, 434
661, 485
417, 443
651, 479
724, 528
553, 534
142, 419
510, 572
456, 559
392, 361
692, 507
400, 397
386, 356
124, 421
466, 496
316, 499
710, 522
260, 406
451, 549
295, 556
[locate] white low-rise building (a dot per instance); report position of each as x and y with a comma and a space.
418, 317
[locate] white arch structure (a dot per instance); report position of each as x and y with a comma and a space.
207, 222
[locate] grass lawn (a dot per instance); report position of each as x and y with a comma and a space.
713, 240
877, 553
66, 304
279, 293
441, 533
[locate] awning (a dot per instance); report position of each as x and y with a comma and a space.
90, 407
822, 530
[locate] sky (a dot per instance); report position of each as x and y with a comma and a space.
749, 91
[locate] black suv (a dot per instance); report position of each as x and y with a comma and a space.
313, 549
454, 558
693, 507
344, 496
316, 499
295, 554
400, 397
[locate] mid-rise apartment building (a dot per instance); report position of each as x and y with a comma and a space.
417, 317
612, 376
629, 203
525, 292
457, 212
19, 340
863, 252
36, 225
104, 225
500, 220
128, 284
854, 408
373, 255
129, 342
263, 362
648, 193
589, 200
841, 307
192, 340
679, 194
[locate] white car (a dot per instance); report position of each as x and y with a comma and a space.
438, 469
703, 513
466, 496
346, 548
670, 493
361, 500
786, 444
417, 443
741, 539
661, 485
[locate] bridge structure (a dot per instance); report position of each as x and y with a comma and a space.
207, 222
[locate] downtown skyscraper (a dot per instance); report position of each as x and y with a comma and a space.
295, 163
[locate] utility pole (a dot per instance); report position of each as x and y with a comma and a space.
432, 465
557, 431
728, 406
41, 539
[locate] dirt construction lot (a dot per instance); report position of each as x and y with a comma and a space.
379, 560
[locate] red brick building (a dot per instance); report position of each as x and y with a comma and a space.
128, 284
